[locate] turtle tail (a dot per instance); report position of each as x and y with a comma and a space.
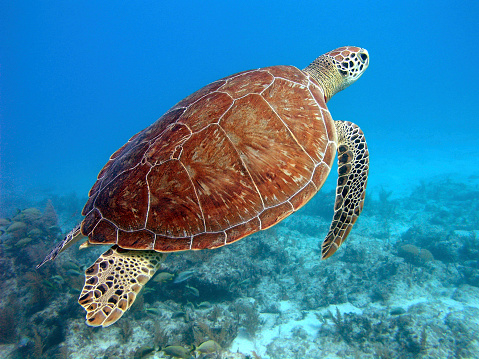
353, 168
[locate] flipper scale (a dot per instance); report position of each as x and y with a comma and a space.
353, 168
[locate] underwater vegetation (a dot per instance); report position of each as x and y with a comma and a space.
405, 285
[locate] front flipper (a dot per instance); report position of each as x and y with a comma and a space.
113, 282
353, 167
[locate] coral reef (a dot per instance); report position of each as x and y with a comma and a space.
404, 285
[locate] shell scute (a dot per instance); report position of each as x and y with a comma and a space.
273, 215
318, 95
242, 230
214, 167
150, 132
208, 240
113, 168
104, 233
125, 162
206, 111
195, 96
247, 83
168, 244
125, 200
276, 162
164, 147
142, 239
91, 220
321, 172
288, 72
303, 196
303, 119
173, 199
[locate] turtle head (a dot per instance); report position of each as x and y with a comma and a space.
337, 69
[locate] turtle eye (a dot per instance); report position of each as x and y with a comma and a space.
363, 57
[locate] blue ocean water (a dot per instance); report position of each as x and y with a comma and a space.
78, 80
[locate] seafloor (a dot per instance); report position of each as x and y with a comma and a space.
404, 285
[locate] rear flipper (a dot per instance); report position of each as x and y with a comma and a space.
353, 167
72, 237
113, 282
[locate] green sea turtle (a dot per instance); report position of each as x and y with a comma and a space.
233, 158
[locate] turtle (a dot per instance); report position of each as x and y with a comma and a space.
235, 157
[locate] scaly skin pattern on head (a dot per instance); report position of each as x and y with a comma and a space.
337, 69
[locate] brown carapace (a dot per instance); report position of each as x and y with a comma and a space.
235, 157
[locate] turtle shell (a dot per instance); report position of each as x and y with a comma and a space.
235, 157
